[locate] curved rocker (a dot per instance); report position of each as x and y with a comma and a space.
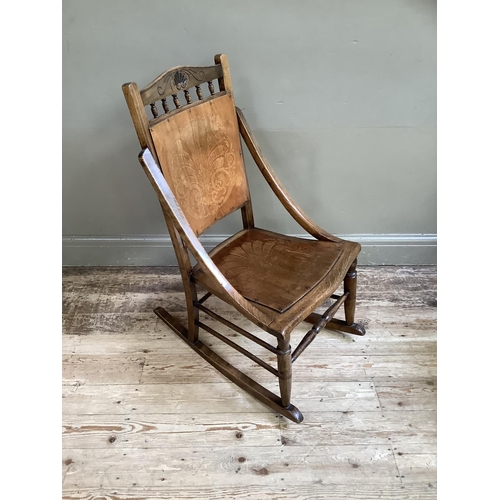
192, 157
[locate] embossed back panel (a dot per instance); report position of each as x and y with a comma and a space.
200, 154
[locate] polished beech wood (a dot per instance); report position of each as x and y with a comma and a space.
338, 325
177, 80
236, 328
350, 289
192, 156
154, 110
190, 241
318, 326
272, 269
138, 115
255, 389
200, 154
238, 348
226, 85
224, 80
285, 372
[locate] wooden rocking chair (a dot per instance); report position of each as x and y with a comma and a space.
192, 156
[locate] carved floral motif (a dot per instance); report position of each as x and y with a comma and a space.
206, 169
262, 261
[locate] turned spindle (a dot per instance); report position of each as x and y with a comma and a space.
176, 101
154, 110
211, 87
165, 105
198, 93
187, 96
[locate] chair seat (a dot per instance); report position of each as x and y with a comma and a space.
278, 271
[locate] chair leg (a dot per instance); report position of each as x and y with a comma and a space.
285, 371
350, 286
347, 326
182, 255
193, 313
259, 392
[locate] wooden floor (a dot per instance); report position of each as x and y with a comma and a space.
145, 418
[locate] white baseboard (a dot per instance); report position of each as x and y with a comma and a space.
151, 250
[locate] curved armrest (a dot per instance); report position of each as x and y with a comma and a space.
172, 208
279, 190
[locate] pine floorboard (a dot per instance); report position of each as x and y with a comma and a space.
145, 418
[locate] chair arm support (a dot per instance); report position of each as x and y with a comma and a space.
279, 190
172, 208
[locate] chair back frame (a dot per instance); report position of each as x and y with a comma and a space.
170, 83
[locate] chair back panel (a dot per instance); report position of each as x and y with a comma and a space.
199, 151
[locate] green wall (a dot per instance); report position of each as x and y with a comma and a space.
340, 94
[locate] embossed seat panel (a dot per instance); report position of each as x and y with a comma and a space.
200, 155
275, 270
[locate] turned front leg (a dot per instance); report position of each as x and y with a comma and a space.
193, 313
285, 371
350, 286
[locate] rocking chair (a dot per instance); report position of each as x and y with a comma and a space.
192, 155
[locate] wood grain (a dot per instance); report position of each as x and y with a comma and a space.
169, 430
316, 491
200, 156
256, 258
369, 433
210, 397
314, 367
262, 466
402, 429
178, 79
